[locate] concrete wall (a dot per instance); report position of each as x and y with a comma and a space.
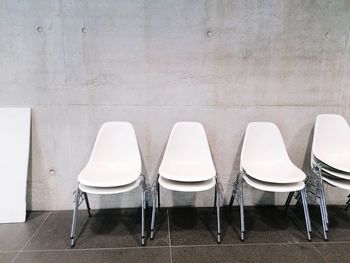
224, 63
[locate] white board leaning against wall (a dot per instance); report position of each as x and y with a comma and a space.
14, 159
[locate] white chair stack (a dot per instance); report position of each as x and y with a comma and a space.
114, 167
265, 165
330, 159
187, 166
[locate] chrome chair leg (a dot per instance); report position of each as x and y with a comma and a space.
289, 199
143, 216
217, 202
232, 199
158, 192
241, 206
87, 203
306, 213
75, 217
154, 207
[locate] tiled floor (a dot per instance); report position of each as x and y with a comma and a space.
182, 235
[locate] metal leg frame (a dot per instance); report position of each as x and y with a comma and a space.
156, 200
241, 205
289, 199
238, 192
87, 203
158, 191
306, 213
217, 203
78, 199
143, 208
315, 189
155, 194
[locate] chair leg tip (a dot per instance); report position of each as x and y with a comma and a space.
219, 238
72, 243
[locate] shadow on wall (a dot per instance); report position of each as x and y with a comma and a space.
307, 159
29, 194
234, 173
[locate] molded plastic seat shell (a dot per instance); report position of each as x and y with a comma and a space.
187, 156
187, 186
344, 176
341, 183
115, 158
264, 156
273, 187
109, 190
331, 142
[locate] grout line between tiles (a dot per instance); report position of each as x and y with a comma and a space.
180, 246
262, 244
171, 254
31, 237
91, 249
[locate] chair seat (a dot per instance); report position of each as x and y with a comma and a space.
188, 171
187, 186
337, 174
341, 183
109, 190
282, 172
273, 187
108, 175
338, 162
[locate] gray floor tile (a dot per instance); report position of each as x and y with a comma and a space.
197, 226
143, 255
14, 236
7, 257
105, 229
247, 253
334, 252
339, 223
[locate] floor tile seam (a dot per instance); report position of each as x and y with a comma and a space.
319, 253
262, 244
35, 232
31, 237
170, 251
91, 249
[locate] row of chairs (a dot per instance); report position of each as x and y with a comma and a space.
115, 166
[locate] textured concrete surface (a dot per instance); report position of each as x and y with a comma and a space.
223, 63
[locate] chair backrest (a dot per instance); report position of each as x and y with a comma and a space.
331, 136
263, 143
188, 143
116, 143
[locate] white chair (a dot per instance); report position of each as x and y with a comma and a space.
331, 142
114, 167
187, 166
265, 165
330, 159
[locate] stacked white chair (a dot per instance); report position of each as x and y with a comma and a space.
187, 166
330, 159
265, 165
114, 167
